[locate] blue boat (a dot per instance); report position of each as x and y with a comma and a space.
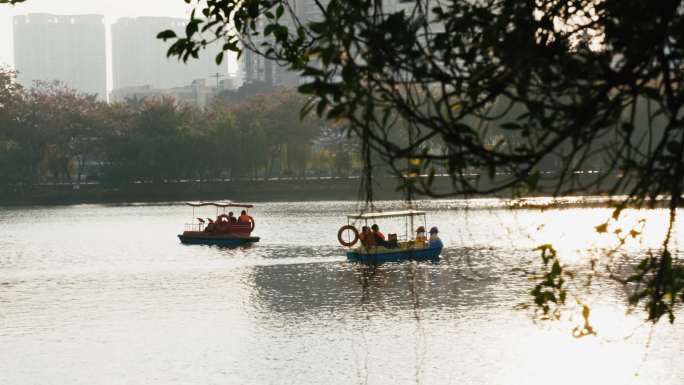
429, 253
226, 230
374, 248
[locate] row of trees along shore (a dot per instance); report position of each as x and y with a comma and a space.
51, 134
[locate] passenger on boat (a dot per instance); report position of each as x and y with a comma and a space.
244, 218
392, 241
434, 238
231, 217
210, 227
366, 237
378, 235
376, 231
421, 238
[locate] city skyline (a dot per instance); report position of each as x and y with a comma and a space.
112, 12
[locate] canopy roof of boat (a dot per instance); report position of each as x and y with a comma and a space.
386, 214
219, 204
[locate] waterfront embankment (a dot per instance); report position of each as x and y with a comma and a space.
284, 189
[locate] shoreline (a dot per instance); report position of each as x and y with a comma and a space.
248, 190
276, 190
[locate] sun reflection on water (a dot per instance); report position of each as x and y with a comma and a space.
573, 232
87, 304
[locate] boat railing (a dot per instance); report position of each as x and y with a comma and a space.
194, 227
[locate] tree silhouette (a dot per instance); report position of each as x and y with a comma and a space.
504, 95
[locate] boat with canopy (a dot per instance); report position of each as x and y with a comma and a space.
224, 230
414, 244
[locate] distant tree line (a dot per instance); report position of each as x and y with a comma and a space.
51, 134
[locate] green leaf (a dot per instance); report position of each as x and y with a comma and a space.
269, 29
165, 35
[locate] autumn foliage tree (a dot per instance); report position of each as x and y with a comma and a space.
52, 134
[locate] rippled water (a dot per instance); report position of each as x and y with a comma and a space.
107, 295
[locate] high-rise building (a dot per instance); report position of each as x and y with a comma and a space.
68, 48
255, 68
139, 58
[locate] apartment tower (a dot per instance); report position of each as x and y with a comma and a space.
67, 48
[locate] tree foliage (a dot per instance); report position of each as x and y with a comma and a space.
505, 95
51, 134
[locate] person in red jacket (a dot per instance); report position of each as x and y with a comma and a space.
378, 235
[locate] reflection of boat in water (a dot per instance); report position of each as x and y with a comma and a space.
225, 230
375, 248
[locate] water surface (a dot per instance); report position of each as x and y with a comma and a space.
107, 295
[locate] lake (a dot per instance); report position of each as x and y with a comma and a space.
106, 294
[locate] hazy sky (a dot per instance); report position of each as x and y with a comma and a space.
111, 9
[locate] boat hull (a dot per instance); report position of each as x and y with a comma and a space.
217, 240
389, 255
